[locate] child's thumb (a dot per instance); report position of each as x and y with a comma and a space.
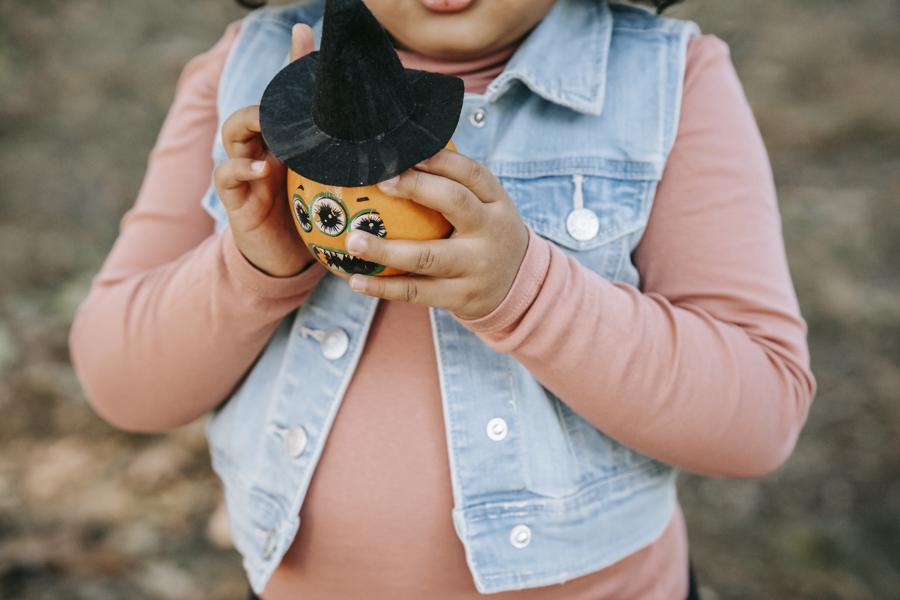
303, 41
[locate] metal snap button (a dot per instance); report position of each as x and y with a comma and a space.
269, 544
295, 441
520, 536
477, 117
582, 224
497, 429
334, 343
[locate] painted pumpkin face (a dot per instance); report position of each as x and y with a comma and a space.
325, 214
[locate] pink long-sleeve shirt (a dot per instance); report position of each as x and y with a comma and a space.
705, 367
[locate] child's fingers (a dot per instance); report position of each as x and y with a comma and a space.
231, 177
435, 258
241, 134
457, 203
466, 171
413, 289
303, 41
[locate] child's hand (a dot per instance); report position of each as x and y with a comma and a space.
250, 183
470, 272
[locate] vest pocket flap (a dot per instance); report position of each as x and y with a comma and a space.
580, 212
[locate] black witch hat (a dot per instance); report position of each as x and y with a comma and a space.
349, 114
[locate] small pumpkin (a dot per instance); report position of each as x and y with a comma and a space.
346, 117
325, 214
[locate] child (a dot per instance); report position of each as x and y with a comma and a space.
614, 305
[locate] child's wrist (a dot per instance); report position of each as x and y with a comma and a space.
250, 277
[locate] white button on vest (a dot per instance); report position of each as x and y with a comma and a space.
269, 544
520, 536
334, 343
477, 117
496, 429
582, 224
295, 441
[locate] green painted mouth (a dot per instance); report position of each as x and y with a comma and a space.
343, 262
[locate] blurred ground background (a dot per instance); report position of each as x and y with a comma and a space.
90, 512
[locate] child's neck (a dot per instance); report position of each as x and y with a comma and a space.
477, 73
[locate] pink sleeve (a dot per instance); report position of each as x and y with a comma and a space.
177, 314
706, 367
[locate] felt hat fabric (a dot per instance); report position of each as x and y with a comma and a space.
349, 114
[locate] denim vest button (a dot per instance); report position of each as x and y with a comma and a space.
496, 429
477, 117
269, 544
520, 536
295, 441
582, 224
335, 343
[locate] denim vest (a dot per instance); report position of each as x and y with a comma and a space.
577, 129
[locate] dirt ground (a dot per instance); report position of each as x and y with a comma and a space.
89, 512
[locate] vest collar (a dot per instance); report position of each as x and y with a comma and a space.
574, 77
564, 58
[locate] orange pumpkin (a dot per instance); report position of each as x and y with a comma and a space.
324, 214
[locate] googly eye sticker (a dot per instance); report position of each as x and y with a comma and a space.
301, 213
329, 214
369, 221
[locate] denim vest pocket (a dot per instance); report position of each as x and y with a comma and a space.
552, 467
599, 455
606, 212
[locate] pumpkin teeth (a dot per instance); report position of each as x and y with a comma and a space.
346, 263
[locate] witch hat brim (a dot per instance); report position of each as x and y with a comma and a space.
291, 133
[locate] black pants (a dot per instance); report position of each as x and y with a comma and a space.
693, 591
